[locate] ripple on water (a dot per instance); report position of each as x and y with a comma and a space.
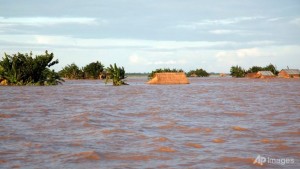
166, 150
236, 160
218, 140
238, 128
85, 156
194, 145
161, 139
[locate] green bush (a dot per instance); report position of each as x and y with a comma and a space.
23, 69
269, 67
93, 70
237, 71
198, 73
71, 72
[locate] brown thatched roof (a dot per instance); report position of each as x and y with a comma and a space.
265, 73
292, 71
169, 78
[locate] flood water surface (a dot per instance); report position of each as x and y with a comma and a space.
210, 123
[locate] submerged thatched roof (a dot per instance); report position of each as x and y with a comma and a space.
292, 71
169, 78
265, 73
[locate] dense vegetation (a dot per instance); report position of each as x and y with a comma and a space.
150, 76
90, 71
93, 70
237, 71
269, 67
71, 71
116, 74
24, 69
197, 73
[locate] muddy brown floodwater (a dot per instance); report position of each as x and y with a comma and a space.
210, 123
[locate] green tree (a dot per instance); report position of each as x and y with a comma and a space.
271, 68
23, 69
1, 72
93, 70
254, 69
116, 74
71, 72
198, 73
237, 71
161, 70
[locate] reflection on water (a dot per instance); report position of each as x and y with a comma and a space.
211, 123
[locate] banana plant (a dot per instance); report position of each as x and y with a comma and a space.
116, 74
24, 69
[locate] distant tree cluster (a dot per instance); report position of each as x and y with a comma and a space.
90, 71
151, 75
24, 69
238, 71
95, 70
197, 73
269, 67
193, 73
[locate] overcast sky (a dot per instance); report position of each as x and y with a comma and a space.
143, 35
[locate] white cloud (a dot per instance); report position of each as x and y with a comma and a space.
145, 60
228, 20
295, 21
275, 19
168, 62
137, 60
50, 39
134, 59
190, 26
262, 43
252, 52
209, 22
161, 47
42, 21
241, 53
224, 31
71, 42
236, 56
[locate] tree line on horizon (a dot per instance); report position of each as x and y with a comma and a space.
24, 69
90, 71
95, 70
238, 71
192, 73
